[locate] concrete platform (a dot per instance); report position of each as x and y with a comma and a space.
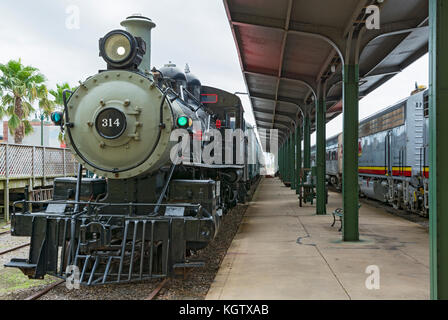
284, 252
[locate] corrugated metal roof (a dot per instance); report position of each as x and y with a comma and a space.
286, 47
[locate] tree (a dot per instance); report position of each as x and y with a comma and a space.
59, 101
20, 87
57, 94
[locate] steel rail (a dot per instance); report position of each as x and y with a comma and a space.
156, 291
44, 291
14, 249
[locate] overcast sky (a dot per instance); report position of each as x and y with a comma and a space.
196, 32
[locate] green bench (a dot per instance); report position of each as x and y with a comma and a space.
339, 213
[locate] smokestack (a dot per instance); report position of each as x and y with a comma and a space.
140, 26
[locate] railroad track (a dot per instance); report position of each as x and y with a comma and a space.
44, 291
14, 249
156, 291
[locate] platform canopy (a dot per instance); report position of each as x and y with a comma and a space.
286, 47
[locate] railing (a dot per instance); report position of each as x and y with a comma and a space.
21, 161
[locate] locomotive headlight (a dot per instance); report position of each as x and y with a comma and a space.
122, 50
117, 47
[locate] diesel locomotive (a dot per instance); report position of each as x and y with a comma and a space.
153, 200
393, 155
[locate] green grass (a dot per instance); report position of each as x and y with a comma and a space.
2, 224
12, 279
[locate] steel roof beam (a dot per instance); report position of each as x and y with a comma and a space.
303, 80
280, 113
356, 13
277, 123
286, 124
280, 99
325, 32
380, 59
282, 54
280, 117
383, 71
267, 117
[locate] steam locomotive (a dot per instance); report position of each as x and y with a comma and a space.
156, 197
393, 155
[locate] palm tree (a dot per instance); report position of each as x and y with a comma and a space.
57, 94
59, 101
20, 87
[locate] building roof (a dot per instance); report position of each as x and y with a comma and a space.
287, 48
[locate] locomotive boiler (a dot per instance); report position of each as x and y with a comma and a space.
152, 202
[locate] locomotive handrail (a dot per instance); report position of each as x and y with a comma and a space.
106, 204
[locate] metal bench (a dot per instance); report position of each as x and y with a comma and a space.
339, 212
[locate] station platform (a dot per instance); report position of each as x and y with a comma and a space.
284, 252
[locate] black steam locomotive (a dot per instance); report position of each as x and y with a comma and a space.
163, 178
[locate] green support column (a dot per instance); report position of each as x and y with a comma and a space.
283, 162
280, 161
288, 158
293, 157
294, 186
320, 153
285, 169
298, 157
292, 147
438, 153
286, 161
307, 142
350, 186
